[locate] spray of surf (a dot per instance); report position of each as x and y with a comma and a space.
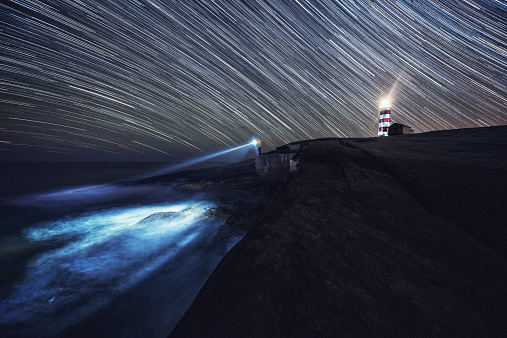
98, 256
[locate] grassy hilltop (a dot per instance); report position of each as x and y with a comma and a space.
402, 235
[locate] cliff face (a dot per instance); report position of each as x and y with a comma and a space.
384, 236
275, 166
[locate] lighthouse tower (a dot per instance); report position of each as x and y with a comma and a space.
384, 120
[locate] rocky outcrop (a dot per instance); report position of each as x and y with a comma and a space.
155, 218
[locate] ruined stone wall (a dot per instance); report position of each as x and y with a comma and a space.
275, 166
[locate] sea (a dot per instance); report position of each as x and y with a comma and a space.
83, 252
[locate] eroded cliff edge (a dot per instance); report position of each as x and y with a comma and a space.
384, 236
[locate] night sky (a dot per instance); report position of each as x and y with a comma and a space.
157, 80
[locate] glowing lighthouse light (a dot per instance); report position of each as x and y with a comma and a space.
384, 120
257, 143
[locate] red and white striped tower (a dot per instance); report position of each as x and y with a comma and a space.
384, 119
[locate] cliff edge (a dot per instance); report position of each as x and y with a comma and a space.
403, 235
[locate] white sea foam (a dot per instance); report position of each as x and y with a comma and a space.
99, 256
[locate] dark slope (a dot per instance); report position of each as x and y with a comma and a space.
394, 236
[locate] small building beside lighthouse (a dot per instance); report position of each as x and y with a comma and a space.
400, 129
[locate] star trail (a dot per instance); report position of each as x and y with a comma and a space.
146, 80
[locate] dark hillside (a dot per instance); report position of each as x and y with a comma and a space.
459, 175
399, 236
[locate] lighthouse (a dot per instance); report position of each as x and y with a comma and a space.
384, 119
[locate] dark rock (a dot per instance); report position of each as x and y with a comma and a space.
156, 217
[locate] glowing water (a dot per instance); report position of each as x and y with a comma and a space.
99, 256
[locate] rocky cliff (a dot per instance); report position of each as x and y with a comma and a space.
397, 236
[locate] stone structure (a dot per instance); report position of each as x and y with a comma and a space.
399, 129
276, 165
